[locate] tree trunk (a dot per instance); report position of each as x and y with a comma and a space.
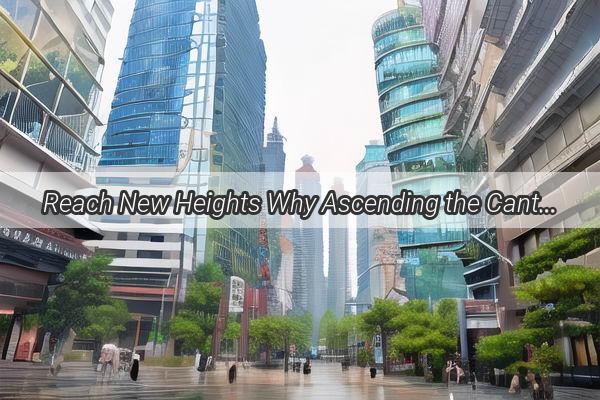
268, 356
286, 355
384, 351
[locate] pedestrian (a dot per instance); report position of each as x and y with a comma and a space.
515, 385
373, 372
307, 367
135, 368
232, 373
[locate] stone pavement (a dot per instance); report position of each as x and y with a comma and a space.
79, 381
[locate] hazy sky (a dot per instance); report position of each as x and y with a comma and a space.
320, 78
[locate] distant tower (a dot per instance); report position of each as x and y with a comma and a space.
339, 286
309, 287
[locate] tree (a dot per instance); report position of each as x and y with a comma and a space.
274, 332
209, 272
499, 351
569, 245
191, 331
328, 329
195, 322
106, 321
378, 321
232, 333
85, 285
420, 331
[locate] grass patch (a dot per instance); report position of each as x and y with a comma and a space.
176, 361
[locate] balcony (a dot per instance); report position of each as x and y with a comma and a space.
35, 121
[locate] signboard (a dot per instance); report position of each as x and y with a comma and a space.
236, 295
377, 350
30, 237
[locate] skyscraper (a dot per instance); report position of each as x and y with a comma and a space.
421, 156
274, 162
308, 280
376, 243
339, 288
190, 98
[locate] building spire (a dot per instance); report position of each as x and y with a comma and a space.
275, 135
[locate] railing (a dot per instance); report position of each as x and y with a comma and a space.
31, 118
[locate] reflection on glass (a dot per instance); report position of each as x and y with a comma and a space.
415, 132
51, 45
8, 95
399, 39
22, 12
83, 82
42, 83
73, 113
13, 52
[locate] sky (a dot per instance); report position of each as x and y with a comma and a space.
320, 78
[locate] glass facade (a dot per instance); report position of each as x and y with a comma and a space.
48, 82
156, 84
413, 118
191, 68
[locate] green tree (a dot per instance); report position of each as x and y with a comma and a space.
209, 272
85, 285
378, 320
279, 332
422, 332
106, 321
191, 331
233, 331
195, 322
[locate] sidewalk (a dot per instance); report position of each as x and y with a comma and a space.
487, 391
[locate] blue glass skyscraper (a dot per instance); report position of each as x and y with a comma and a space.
413, 119
189, 65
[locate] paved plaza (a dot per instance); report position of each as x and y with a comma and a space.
328, 381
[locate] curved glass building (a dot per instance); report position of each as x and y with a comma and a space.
421, 157
152, 90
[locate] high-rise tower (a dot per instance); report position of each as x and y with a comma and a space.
338, 277
190, 99
421, 156
308, 277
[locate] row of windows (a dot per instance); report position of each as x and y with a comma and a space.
37, 27
158, 8
423, 150
415, 132
149, 94
149, 122
167, 61
147, 154
153, 78
142, 138
166, 32
398, 39
159, 21
172, 46
146, 108
411, 112
397, 19
448, 233
407, 91
439, 163
44, 85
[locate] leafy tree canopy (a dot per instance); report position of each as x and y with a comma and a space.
106, 321
85, 285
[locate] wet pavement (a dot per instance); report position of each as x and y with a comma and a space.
328, 381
